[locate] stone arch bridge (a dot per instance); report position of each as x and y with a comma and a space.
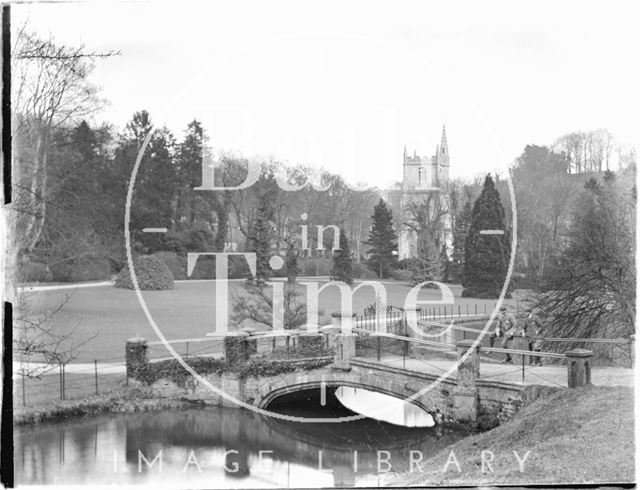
460, 396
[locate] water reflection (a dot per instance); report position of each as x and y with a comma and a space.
216, 447
396, 411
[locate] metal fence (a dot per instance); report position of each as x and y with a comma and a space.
71, 381
441, 312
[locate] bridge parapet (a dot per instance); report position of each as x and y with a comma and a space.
465, 395
342, 340
579, 367
136, 355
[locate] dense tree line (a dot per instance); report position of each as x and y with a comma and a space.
82, 227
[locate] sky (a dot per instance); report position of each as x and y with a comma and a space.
346, 85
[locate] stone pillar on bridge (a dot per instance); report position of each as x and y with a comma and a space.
236, 348
310, 344
344, 343
465, 394
579, 367
343, 322
251, 343
136, 355
632, 349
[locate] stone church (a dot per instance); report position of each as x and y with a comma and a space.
422, 176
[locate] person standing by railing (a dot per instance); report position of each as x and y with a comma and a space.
533, 331
505, 329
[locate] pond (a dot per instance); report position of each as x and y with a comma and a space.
219, 447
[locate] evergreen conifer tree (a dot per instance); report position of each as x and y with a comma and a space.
461, 228
292, 265
383, 240
342, 269
260, 240
486, 257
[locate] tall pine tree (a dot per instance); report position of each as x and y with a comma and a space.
342, 269
462, 223
486, 256
383, 240
260, 239
291, 264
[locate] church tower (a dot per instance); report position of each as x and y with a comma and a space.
442, 159
421, 176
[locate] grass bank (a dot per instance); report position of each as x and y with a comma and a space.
122, 399
583, 435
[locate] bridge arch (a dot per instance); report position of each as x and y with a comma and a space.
296, 381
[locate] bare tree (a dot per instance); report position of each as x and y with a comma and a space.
592, 293
37, 346
426, 217
254, 306
50, 89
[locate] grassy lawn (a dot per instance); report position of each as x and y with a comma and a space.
113, 315
583, 435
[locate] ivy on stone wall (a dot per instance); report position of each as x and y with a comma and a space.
266, 366
172, 370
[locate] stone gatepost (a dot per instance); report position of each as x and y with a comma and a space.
345, 342
343, 322
236, 350
579, 367
465, 394
251, 343
136, 356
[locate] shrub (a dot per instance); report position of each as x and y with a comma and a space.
342, 269
408, 264
205, 267
238, 268
402, 275
152, 274
361, 271
520, 280
316, 266
79, 270
30, 271
177, 264
175, 241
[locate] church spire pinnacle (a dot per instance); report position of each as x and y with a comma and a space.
444, 147
405, 152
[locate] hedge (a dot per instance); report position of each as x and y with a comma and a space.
205, 267
152, 273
